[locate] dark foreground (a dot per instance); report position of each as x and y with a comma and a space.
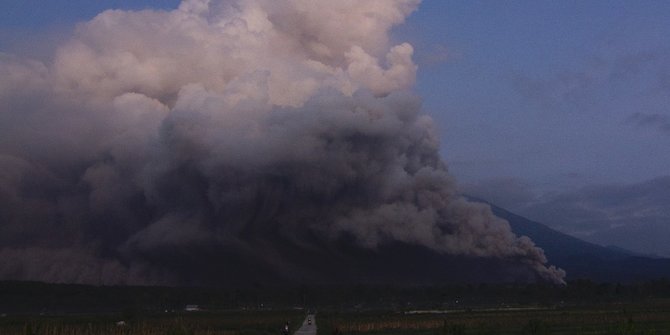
171, 323
652, 317
579, 308
648, 318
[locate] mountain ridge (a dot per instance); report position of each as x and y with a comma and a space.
585, 260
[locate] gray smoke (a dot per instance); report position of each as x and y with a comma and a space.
220, 123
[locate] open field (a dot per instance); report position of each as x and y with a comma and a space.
651, 317
197, 323
581, 307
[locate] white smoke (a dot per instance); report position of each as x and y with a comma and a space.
221, 119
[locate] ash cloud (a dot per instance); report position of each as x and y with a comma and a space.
218, 125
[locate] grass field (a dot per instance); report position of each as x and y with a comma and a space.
647, 318
198, 323
581, 307
643, 318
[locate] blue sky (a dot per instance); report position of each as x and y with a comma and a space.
36, 14
542, 90
538, 102
541, 102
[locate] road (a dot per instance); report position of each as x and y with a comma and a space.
306, 329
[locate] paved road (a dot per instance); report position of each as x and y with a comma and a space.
307, 329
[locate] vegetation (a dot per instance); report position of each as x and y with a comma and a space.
650, 317
198, 323
581, 307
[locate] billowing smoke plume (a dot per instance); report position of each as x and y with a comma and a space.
219, 124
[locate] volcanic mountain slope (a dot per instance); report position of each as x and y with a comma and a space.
344, 262
584, 260
277, 261
322, 261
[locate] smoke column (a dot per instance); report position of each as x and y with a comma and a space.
221, 123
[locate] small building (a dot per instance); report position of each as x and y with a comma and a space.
192, 308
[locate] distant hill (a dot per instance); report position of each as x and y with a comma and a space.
584, 260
